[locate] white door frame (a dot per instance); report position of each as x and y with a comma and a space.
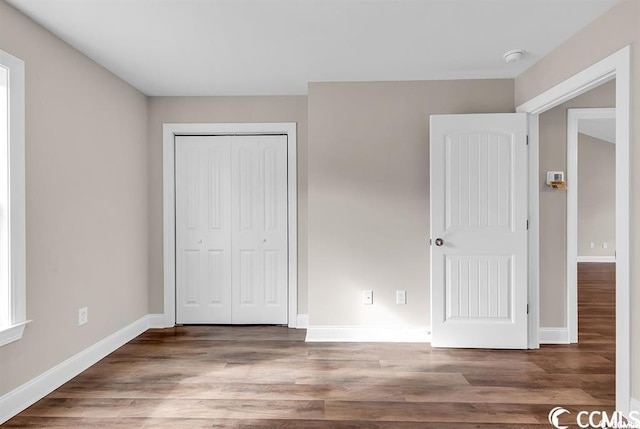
573, 118
616, 66
169, 132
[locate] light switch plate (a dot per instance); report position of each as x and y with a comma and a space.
367, 297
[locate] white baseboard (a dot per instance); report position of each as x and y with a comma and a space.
362, 334
599, 259
156, 321
554, 336
32, 391
302, 321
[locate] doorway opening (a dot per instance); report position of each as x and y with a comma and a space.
616, 66
591, 215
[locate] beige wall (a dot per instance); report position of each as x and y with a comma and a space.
221, 109
369, 193
596, 196
617, 28
86, 194
553, 204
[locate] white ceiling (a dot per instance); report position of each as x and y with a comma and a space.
603, 129
260, 47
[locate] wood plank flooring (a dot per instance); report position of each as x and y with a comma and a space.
268, 377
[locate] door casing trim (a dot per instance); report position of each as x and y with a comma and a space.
169, 132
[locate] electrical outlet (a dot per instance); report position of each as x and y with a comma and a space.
367, 297
401, 297
592, 245
83, 316
605, 245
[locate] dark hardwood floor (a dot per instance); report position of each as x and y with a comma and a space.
268, 377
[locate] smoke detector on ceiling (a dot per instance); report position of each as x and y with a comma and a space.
513, 56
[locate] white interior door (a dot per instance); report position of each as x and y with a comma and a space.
479, 230
203, 229
231, 229
259, 221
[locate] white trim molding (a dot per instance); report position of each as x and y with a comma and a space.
534, 234
14, 245
616, 66
12, 333
303, 321
156, 321
634, 405
32, 391
369, 334
170, 131
554, 336
595, 259
573, 119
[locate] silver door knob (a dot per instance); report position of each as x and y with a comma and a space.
439, 241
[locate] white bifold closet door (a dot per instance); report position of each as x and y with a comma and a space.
231, 229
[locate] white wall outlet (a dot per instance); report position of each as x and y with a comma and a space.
83, 316
367, 297
592, 245
605, 245
401, 297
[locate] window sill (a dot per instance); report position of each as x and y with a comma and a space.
12, 333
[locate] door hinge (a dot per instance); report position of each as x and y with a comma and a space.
527, 308
527, 224
527, 140
430, 244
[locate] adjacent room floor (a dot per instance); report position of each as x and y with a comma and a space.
268, 377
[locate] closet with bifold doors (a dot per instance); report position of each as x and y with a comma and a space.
231, 229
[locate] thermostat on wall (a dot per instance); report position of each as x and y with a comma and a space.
555, 179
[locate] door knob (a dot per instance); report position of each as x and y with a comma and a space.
439, 241
200, 241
